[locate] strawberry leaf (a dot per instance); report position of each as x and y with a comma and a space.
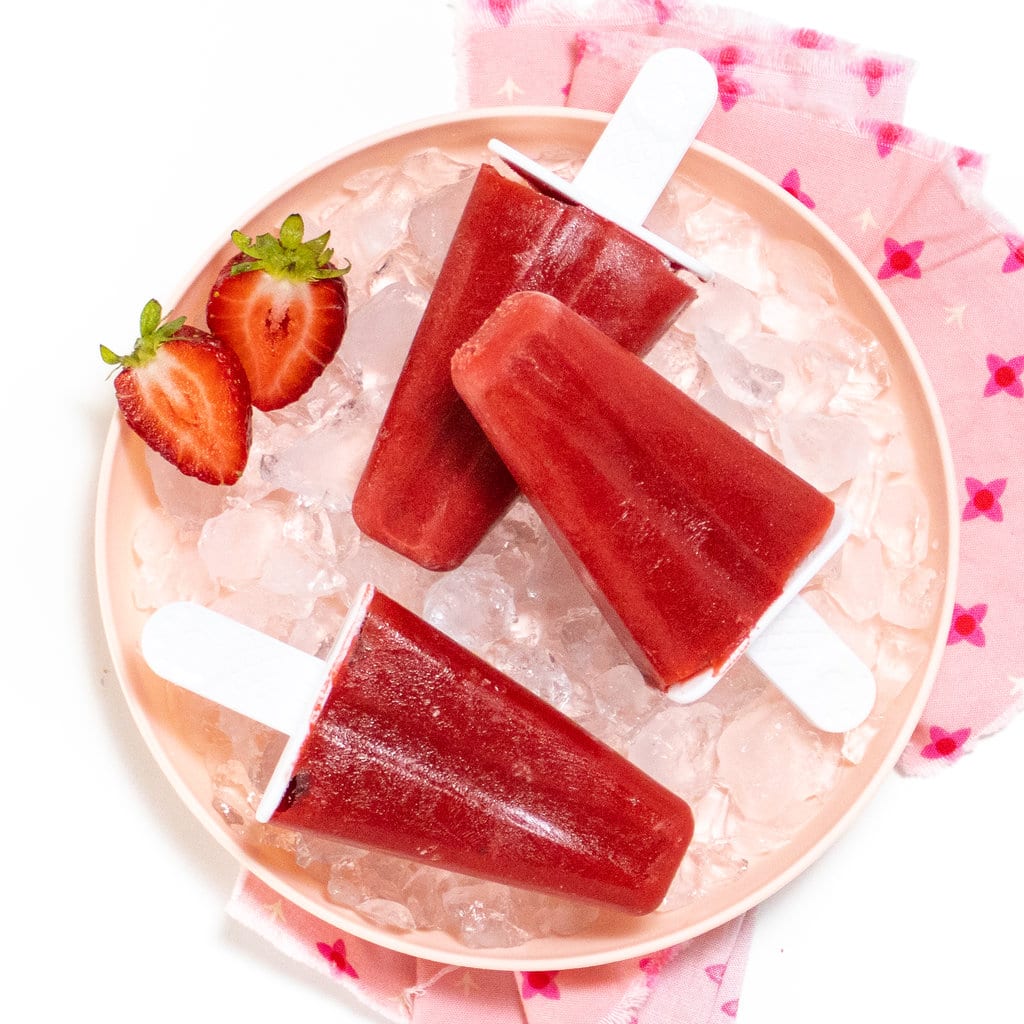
149, 321
287, 255
151, 336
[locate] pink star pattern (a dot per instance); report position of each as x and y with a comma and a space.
337, 957
1015, 260
731, 1008
948, 745
809, 39
967, 157
716, 972
1004, 375
901, 259
966, 625
651, 965
662, 11
540, 983
502, 10
873, 71
984, 499
725, 60
791, 183
887, 136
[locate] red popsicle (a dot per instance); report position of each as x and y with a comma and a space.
420, 748
433, 484
684, 530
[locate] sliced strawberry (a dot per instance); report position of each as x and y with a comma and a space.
186, 395
283, 307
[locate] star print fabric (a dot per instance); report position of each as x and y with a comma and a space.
689, 984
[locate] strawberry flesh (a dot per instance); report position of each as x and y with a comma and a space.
190, 403
284, 331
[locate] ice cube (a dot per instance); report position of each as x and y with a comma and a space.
184, 497
901, 522
858, 585
773, 761
539, 671
433, 221
234, 545
675, 358
622, 698
345, 883
859, 498
483, 915
911, 596
370, 223
790, 318
586, 644
433, 169
474, 606
397, 576
323, 466
800, 272
677, 747
901, 654
315, 634
725, 307
379, 333
332, 395
423, 895
740, 688
541, 914
728, 410
390, 914
825, 450
169, 568
301, 562
775, 353
738, 255
745, 382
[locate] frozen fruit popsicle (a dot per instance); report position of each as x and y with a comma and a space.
412, 745
685, 531
433, 484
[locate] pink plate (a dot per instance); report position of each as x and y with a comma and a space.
126, 495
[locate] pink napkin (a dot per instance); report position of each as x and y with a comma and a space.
822, 117
696, 982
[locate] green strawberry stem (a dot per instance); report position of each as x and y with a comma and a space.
151, 336
288, 256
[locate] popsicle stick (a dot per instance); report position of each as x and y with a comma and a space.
639, 150
231, 664
647, 137
808, 663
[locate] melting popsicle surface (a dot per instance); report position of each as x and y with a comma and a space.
433, 484
422, 749
684, 531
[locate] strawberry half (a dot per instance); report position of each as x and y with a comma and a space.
283, 307
186, 395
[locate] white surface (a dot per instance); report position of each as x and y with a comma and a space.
134, 136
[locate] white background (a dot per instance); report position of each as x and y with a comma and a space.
135, 134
